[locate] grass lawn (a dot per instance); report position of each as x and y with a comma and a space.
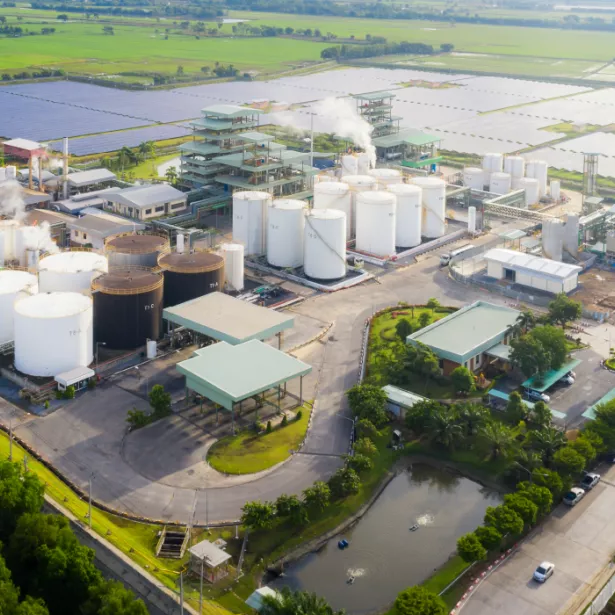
248, 452
148, 169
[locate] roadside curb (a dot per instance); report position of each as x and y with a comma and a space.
313, 339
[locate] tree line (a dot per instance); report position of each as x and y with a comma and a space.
352, 51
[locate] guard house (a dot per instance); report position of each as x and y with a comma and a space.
473, 336
209, 559
77, 378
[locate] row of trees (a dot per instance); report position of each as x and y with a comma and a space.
39, 74
353, 51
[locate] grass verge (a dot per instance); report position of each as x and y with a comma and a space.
249, 452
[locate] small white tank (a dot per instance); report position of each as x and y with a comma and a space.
14, 285
554, 188
250, 220
8, 239
357, 184
285, 232
71, 272
408, 215
553, 239
493, 163
434, 206
334, 196
350, 165
474, 178
514, 166
538, 169
376, 223
151, 348
472, 219
500, 183
530, 185
233, 265
571, 235
325, 244
363, 163
386, 177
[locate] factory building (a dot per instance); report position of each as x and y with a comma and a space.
91, 231
532, 271
146, 202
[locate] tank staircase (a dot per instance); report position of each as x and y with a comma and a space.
172, 543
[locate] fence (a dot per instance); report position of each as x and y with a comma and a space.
601, 600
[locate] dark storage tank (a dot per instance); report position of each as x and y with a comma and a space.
190, 275
135, 249
127, 307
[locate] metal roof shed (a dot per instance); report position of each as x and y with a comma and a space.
228, 319
255, 599
90, 178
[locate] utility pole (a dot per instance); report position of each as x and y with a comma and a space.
201, 589
90, 502
181, 592
11, 439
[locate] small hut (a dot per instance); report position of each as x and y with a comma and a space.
212, 560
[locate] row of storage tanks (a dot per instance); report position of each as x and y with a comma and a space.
78, 298
502, 174
380, 211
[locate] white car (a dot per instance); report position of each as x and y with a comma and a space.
589, 481
538, 396
574, 496
567, 379
543, 572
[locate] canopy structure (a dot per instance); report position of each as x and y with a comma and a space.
550, 378
227, 319
255, 599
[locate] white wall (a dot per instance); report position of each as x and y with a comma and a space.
83, 238
495, 270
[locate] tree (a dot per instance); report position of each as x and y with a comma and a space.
525, 321
205, 70
108, 30
62, 17
364, 446
541, 415
36, 606
171, 175
403, 329
470, 548
523, 506
368, 401
284, 504
359, 463
569, 462
498, 438
419, 601
366, 428
289, 602
472, 417
344, 482
160, 401
563, 310
419, 415
147, 149
443, 429
137, 418
9, 594
424, 319
530, 356
543, 477
462, 379
553, 340
504, 519
516, 410
488, 536
317, 496
180, 71
541, 496
112, 598
433, 304
446, 47
257, 515
584, 447
547, 442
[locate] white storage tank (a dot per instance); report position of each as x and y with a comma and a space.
472, 219
233, 265
408, 215
492, 163
8, 235
434, 206
474, 178
376, 223
53, 333
363, 163
538, 169
350, 165
71, 272
324, 177
514, 166
357, 184
500, 183
250, 220
571, 235
285, 233
14, 285
324, 247
386, 177
334, 196
553, 239
554, 188
530, 185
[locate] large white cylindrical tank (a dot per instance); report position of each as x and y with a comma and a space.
530, 185
408, 215
555, 189
514, 166
471, 219
474, 178
493, 162
324, 177
8, 234
324, 247
70, 272
376, 214
434, 206
553, 239
334, 196
350, 165
357, 184
571, 235
233, 265
363, 163
250, 220
14, 285
500, 183
386, 177
538, 169
53, 333
285, 233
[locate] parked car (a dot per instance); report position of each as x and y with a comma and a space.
574, 496
589, 481
567, 379
543, 572
571, 373
538, 396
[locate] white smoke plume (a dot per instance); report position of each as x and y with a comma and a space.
38, 238
12, 205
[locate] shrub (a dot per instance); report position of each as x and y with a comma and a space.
344, 482
488, 536
269, 428
298, 415
284, 421
470, 548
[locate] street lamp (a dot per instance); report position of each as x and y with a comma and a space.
529, 472
353, 421
98, 344
90, 500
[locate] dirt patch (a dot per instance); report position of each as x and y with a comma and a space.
597, 290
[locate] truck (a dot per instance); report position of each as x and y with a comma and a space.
445, 259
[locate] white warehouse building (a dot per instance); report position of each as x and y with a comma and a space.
145, 202
532, 271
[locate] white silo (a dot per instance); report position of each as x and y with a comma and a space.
472, 219
500, 183
8, 233
514, 166
363, 163
553, 239
250, 220
71, 272
285, 233
357, 184
14, 285
530, 185
386, 177
492, 163
334, 196
555, 189
571, 235
408, 216
474, 178
233, 265
376, 222
350, 165
53, 333
434, 206
538, 169
324, 246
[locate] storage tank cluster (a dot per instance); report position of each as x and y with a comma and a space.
70, 272
135, 249
250, 210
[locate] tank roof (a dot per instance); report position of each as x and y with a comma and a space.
251, 195
191, 262
129, 280
403, 189
291, 204
332, 187
327, 214
376, 197
136, 244
14, 280
53, 305
71, 262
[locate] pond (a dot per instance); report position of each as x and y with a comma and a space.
384, 556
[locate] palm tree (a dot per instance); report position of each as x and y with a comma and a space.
498, 438
547, 442
289, 602
526, 320
472, 417
443, 429
147, 148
